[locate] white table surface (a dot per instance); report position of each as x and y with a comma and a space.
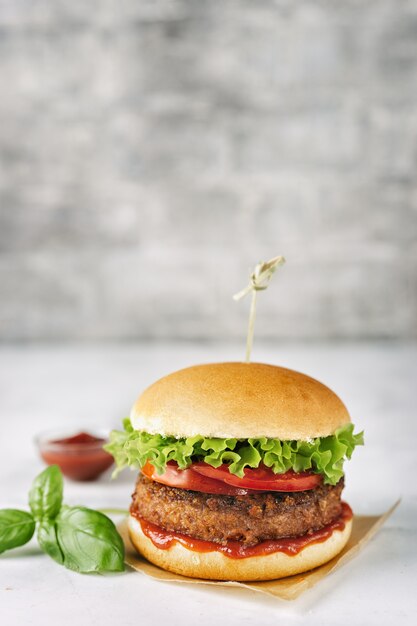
54, 386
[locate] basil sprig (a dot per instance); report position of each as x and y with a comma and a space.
81, 539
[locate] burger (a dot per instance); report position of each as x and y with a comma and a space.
241, 472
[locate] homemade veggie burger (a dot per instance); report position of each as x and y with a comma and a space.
241, 472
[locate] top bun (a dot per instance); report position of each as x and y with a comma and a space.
239, 400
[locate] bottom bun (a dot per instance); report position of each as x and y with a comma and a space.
216, 566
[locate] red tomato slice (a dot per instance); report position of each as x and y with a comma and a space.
261, 478
187, 479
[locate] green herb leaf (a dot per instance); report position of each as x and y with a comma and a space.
89, 541
16, 528
45, 496
48, 540
322, 455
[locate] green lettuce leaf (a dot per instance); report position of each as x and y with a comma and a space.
322, 455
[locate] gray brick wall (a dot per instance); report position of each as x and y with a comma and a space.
152, 151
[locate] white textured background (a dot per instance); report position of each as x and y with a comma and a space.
152, 151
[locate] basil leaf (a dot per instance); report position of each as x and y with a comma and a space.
89, 541
16, 528
45, 496
48, 540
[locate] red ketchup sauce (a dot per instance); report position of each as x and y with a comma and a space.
164, 539
80, 457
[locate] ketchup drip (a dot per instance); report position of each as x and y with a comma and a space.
164, 539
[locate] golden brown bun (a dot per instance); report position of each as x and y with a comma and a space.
239, 400
217, 566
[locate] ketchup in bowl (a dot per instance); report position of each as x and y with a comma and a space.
80, 456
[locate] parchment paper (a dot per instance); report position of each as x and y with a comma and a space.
364, 527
